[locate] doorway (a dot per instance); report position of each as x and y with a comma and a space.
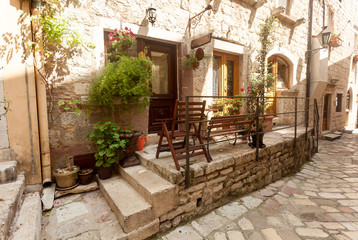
326, 112
164, 85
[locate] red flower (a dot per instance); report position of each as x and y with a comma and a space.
218, 94
125, 28
242, 89
258, 87
248, 88
124, 128
111, 34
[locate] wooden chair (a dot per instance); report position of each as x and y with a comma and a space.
175, 146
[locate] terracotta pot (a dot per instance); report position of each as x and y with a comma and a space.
85, 178
105, 172
66, 179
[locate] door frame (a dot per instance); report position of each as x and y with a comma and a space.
327, 99
172, 71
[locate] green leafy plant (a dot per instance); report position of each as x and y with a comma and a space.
74, 106
126, 78
262, 81
5, 106
56, 39
107, 138
190, 61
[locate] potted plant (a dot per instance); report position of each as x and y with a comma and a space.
85, 176
335, 41
106, 137
217, 105
66, 178
234, 105
124, 78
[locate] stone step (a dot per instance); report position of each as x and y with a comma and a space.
156, 190
10, 200
133, 212
8, 171
331, 136
28, 223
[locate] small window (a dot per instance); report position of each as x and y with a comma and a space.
348, 100
339, 102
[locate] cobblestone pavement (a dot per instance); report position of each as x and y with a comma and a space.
319, 202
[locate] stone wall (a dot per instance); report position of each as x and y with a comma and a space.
233, 24
212, 183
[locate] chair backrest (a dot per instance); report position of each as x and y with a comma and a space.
196, 113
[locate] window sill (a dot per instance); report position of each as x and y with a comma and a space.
280, 14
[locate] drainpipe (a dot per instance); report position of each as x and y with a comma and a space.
42, 109
308, 70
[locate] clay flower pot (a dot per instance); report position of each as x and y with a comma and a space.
85, 176
66, 177
104, 172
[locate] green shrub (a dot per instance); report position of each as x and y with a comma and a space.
106, 137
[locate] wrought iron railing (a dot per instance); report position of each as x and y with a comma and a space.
257, 117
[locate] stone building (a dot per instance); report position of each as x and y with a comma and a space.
233, 45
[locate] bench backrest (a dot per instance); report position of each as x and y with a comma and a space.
226, 124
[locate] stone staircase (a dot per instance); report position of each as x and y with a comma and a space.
20, 212
138, 197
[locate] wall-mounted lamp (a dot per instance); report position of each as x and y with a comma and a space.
152, 15
324, 37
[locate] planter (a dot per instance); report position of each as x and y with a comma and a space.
85, 176
335, 42
252, 144
105, 172
85, 161
66, 178
131, 159
267, 125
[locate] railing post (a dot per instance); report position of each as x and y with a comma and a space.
187, 165
257, 127
295, 141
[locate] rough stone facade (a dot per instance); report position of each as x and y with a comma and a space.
234, 26
232, 175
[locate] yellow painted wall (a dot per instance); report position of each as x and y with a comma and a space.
19, 89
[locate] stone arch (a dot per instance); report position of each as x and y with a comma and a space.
290, 59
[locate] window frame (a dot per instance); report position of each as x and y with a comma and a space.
274, 61
339, 98
223, 73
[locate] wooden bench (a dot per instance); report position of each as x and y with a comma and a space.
229, 125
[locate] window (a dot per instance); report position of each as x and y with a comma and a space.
348, 100
225, 75
280, 69
339, 102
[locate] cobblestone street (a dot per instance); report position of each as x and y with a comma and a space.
319, 202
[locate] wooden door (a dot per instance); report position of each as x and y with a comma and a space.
164, 85
325, 112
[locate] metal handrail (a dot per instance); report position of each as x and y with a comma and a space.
257, 120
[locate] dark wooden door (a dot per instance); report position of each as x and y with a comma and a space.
164, 85
325, 112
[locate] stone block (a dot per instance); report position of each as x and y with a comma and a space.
8, 171
28, 223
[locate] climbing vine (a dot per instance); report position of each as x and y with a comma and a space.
56, 39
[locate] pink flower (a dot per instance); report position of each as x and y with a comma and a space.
242, 89
248, 88
111, 34
125, 28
